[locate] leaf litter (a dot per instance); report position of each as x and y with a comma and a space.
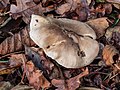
101, 15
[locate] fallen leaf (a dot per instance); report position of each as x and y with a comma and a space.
82, 13
113, 36
16, 59
25, 8
35, 77
4, 3
7, 70
63, 8
22, 87
113, 1
14, 63
15, 43
89, 1
60, 84
70, 84
89, 88
116, 3
108, 8
108, 53
110, 31
99, 25
40, 61
5, 85
74, 3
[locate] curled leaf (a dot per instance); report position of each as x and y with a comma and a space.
70, 84
108, 54
99, 25
16, 42
36, 77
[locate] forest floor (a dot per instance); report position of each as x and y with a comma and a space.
25, 66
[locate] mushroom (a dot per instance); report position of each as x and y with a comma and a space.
66, 47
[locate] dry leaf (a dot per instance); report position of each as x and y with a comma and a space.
99, 25
40, 61
3, 3
108, 54
74, 3
14, 62
108, 8
35, 77
89, 88
15, 43
110, 31
89, 1
60, 84
16, 59
7, 70
117, 6
22, 87
5, 85
63, 8
113, 36
116, 3
70, 84
113, 1
25, 8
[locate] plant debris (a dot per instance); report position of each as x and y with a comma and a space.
25, 65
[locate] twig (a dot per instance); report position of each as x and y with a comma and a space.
10, 54
117, 66
5, 22
114, 75
3, 14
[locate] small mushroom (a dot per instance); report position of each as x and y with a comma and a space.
66, 47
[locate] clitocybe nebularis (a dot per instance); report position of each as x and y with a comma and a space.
72, 48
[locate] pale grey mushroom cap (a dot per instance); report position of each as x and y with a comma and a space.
62, 48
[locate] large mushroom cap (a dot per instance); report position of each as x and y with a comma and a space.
65, 48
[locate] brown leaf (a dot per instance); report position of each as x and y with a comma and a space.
7, 70
22, 87
70, 84
15, 43
36, 77
110, 31
116, 3
5, 85
108, 54
3, 3
25, 8
113, 36
89, 88
60, 84
99, 25
89, 1
82, 13
74, 3
113, 1
63, 8
108, 8
74, 83
16, 59
38, 57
